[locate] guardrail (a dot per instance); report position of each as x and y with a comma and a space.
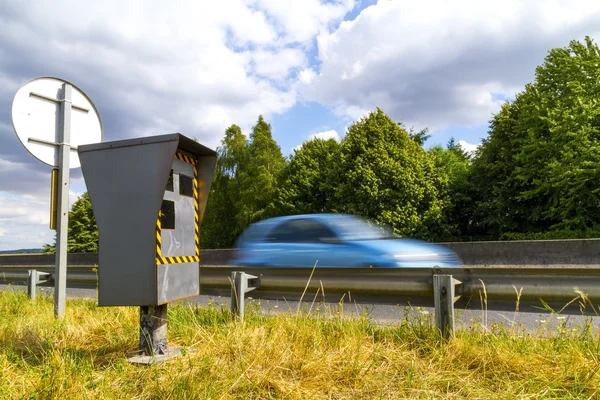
497, 288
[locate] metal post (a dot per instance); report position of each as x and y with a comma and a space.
64, 150
241, 285
238, 290
31, 283
444, 298
153, 330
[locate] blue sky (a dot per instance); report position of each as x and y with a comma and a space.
302, 120
310, 67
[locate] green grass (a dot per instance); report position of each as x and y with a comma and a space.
290, 355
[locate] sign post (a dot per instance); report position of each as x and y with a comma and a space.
62, 231
51, 117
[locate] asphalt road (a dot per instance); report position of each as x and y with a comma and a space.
522, 322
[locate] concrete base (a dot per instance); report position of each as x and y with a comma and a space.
171, 352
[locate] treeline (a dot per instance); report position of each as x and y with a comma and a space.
536, 175
379, 171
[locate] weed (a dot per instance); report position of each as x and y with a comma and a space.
317, 351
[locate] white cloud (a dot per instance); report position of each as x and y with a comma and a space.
278, 65
302, 20
331, 134
27, 209
24, 221
307, 75
197, 67
192, 67
152, 68
325, 135
468, 147
437, 62
25, 218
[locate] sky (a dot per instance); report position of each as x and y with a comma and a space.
310, 67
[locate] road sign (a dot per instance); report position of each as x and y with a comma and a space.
36, 112
51, 117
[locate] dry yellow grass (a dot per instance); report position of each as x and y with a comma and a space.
287, 356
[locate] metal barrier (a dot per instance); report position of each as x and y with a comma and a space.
34, 279
490, 288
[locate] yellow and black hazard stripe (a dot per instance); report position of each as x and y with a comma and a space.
177, 259
185, 158
182, 259
196, 213
197, 194
158, 239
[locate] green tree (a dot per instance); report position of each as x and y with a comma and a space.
561, 118
220, 225
82, 231
537, 169
455, 189
498, 206
420, 137
309, 178
261, 177
389, 178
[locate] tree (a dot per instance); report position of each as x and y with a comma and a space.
261, 177
82, 231
537, 169
456, 190
420, 137
561, 118
220, 225
388, 177
498, 206
309, 178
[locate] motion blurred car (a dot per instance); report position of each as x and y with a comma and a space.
334, 240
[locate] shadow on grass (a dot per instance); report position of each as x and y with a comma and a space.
37, 353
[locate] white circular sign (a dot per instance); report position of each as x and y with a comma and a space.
36, 112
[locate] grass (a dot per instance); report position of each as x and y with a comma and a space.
288, 355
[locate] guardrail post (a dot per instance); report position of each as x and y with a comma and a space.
33, 279
444, 289
31, 283
241, 283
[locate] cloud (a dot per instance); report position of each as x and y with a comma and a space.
436, 62
331, 134
189, 67
151, 68
278, 65
25, 218
468, 147
24, 221
302, 20
197, 67
19, 178
306, 76
325, 135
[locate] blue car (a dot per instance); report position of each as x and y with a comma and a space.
334, 240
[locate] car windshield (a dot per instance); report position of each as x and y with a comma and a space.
353, 228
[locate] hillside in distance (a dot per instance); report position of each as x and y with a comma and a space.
21, 251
